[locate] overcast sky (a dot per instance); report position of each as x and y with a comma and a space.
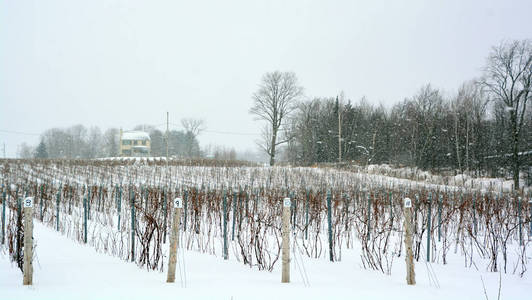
123, 63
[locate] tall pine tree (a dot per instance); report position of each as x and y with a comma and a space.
41, 152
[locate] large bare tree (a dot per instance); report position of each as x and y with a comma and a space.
274, 102
193, 127
509, 79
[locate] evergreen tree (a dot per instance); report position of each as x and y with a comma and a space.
41, 152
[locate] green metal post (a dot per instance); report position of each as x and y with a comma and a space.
234, 215
294, 211
41, 201
391, 206
474, 215
132, 226
119, 205
369, 216
440, 203
19, 225
186, 210
85, 208
307, 204
165, 217
70, 199
530, 206
247, 205
429, 226
239, 212
4, 199
519, 219
226, 254
58, 199
89, 204
329, 223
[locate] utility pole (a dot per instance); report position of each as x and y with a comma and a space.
4, 150
339, 131
167, 135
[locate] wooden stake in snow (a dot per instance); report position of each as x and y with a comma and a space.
28, 241
410, 274
174, 239
286, 241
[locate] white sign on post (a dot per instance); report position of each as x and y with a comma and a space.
408, 203
178, 203
287, 202
28, 202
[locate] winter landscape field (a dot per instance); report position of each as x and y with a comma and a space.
265, 149
102, 232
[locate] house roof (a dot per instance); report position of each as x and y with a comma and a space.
135, 135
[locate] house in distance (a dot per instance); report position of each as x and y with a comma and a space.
134, 143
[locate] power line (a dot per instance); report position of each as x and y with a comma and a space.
19, 132
219, 132
176, 126
229, 132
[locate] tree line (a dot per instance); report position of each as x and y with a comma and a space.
486, 127
81, 142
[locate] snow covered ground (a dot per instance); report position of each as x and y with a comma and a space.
64, 269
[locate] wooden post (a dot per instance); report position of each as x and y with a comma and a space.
28, 241
174, 240
286, 241
410, 274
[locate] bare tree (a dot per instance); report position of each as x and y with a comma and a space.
469, 109
194, 126
94, 143
111, 140
25, 151
508, 77
274, 102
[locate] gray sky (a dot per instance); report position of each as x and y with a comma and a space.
123, 63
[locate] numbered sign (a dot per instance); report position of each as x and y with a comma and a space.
287, 202
28, 202
178, 203
408, 203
